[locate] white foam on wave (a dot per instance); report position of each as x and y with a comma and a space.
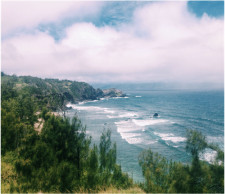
69, 105
129, 132
82, 102
146, 122
174, 139
104, 98
163, 135
134, 140
126, 126
170, 137
111, 117
123, 115
87, 101
91, 108
216, 139
209, 155
110, 111
129, 135
117, 97
138, 96
87, 108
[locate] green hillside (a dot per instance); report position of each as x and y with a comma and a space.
50, 90
42, 152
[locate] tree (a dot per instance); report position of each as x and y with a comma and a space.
196, 142
107, 152
93, 169
155, 170
179, 178
107, 157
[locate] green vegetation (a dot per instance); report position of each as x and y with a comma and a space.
59, 157
162, 176
50, 93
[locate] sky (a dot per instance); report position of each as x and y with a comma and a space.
105, 41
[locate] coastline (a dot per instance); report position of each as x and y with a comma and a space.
167, 132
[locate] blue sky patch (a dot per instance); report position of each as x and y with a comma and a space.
211, 8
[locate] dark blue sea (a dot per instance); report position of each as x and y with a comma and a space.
134, 128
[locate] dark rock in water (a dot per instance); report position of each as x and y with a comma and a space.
156, 115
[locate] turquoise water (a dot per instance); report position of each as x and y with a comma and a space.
134, 128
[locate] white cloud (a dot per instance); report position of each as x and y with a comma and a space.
27, 15
164, 42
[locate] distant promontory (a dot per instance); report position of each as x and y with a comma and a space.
64, 90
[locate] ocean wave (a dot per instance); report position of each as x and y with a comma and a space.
123, 115
129, 132
69, 105
112, 117
104, 98
87, 108
110, 111
91, 108
138, 96
82, 102
119, 97
133, 140
146, 122
175, 139
132, 133
94, 101
128, 115
87, 101
116, 97
127, 126
209, 155
170, 137
129, 135
138, 140
216, 139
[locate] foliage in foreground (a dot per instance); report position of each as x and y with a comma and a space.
162, 176
60, 157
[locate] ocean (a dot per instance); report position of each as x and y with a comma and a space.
134, 128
